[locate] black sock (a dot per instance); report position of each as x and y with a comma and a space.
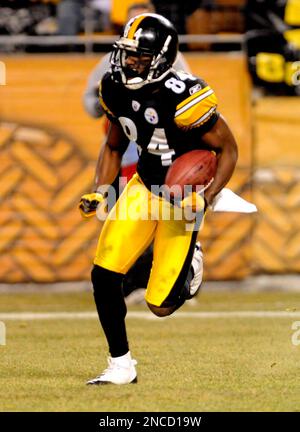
111, 308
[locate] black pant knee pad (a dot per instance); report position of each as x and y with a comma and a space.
105, 282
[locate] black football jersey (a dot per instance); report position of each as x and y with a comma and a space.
165, 119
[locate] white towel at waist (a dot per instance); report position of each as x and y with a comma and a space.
228, 201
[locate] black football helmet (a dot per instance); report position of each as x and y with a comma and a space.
148, 36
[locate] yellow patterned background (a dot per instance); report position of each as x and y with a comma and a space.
49, 147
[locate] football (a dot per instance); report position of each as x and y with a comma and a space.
194, 168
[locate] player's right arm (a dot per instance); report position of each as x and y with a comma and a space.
110, 156
107, 169
108, 163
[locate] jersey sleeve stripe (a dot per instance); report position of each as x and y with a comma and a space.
196, 110
189, 102
104, 106
193, 96
203, 118
102, 103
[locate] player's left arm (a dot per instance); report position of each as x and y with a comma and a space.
220, 139
197, 111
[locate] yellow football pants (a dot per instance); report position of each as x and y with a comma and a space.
138, 218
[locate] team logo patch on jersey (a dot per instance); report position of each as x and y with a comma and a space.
151, 116
135, 105
195, 88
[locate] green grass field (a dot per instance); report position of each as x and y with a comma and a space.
184, 363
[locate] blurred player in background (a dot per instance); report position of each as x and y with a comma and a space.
136, 279
272, 42
167, 113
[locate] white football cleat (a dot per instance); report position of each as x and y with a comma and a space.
197, 269
121, 370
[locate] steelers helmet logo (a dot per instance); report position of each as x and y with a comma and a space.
151, 116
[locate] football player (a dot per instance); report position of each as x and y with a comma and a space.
167, 113
135, 280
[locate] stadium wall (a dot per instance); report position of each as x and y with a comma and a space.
276, 186
49, 147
